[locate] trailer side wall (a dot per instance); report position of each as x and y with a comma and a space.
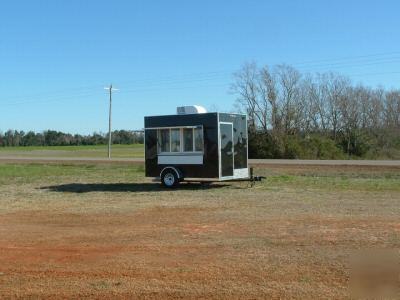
209, 121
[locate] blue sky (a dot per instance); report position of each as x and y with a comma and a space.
56, 56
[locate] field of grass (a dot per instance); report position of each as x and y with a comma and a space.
96, 151
104, 231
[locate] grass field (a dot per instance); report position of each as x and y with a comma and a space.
97, 151
103, 231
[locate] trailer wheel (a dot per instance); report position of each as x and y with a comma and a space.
169, 178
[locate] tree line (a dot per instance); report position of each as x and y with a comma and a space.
291, 115
324, 115
57, 138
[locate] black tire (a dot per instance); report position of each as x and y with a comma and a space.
169, 178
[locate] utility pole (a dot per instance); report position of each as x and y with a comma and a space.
110, 89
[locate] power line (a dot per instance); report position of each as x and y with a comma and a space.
166, 79
156, 89
95, 88
337, 63
346, 58
129, 91
349, 65
374, 74
154, 85
174, 88
55, 93
51, 99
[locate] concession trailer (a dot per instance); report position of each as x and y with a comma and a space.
195, 145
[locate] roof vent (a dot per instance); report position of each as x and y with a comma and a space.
193, 109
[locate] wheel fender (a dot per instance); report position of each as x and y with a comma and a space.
176, 170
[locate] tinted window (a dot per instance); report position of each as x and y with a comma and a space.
175, 140
240, 142
188, 139
163, 140
198, 139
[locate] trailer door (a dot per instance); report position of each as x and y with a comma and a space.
226, 151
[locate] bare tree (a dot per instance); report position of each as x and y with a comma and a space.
337, 87
392, 109
246, 86
289, 82
282, 102
269, 99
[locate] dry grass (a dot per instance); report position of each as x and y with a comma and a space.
102, 231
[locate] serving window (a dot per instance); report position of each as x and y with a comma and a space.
175, 140
188, 139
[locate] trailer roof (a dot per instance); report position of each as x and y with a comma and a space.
207, 113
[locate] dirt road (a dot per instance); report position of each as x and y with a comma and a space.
383, 163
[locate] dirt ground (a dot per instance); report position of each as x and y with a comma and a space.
103, 231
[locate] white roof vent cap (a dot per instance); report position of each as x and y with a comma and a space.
193, 109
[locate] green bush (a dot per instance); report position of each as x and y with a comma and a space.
265, 145
320, 147
293, 148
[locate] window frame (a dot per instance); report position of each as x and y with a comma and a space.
181, 140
